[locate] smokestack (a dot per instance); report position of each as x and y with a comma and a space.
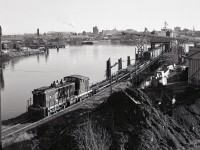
38, 32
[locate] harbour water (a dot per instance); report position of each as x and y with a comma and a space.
21, 75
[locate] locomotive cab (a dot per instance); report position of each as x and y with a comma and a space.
81, 83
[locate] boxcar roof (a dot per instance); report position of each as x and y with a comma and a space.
47, 88
77, 76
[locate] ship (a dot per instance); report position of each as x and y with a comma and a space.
87, 42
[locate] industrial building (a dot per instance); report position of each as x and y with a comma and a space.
95, 30
194, 64
177, 29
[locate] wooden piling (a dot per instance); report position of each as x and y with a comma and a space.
128, 61
108, 73
120, 64
108, 69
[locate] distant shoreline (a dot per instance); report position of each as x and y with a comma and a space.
14, 53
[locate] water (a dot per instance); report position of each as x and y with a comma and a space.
22, 75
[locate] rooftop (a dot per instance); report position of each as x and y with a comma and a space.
78, 76
47, 88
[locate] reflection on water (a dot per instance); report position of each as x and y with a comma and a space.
22, 75
14, 61
46, 55
95, 53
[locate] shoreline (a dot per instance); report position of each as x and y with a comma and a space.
12, 54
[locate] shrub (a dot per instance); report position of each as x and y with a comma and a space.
92, 136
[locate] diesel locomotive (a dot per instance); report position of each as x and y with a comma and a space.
59, 95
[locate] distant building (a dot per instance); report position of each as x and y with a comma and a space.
166, 32
109, 32
177, 29
78, 37
197, 33
194, 64
7, 45
131, 30
95, 30
84, 33
185, 30
154, 32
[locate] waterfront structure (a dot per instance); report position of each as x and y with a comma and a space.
194, 64
7, 45
95, 30
77, 39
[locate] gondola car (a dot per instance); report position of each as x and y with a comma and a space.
59, 95
152, 53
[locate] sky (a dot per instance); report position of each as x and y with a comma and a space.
25, 16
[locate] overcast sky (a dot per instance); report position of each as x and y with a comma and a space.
25, 16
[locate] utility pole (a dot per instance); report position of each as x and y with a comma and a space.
108, 73
136, 55
0, 87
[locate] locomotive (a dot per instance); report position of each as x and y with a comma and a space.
59, 95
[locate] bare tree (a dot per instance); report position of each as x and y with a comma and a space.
122, 141
91, 136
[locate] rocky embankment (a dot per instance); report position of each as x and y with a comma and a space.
132, 121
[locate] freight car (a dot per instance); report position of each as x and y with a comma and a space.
59, 95
153, 53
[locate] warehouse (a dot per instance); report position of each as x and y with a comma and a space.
194, 64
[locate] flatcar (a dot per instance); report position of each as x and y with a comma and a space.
59, 95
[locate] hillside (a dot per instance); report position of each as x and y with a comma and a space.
131, 119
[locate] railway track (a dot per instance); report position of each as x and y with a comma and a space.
26, 125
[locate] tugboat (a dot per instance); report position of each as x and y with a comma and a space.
87, 42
